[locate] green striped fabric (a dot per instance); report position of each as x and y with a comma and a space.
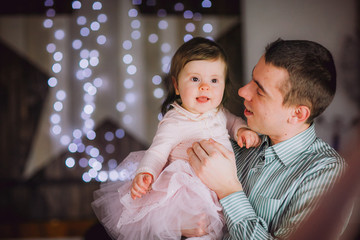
281, 185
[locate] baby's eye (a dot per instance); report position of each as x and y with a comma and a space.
214, 80
194, 79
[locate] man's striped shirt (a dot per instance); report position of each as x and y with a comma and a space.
281, 184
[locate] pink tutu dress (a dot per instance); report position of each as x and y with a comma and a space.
177, 199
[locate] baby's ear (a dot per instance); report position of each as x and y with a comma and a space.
173, 79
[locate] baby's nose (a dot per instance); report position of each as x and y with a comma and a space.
204, 87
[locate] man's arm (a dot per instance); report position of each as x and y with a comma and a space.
243, 222
216, 171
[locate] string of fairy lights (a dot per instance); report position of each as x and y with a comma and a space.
86, 73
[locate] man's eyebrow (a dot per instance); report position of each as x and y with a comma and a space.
257, 82
260, 86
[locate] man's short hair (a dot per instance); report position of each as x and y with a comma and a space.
312, 73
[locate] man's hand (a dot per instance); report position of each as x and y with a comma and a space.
141, 185
215, 166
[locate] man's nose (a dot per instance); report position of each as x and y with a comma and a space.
244, 92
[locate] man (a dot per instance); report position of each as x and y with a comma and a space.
269, 190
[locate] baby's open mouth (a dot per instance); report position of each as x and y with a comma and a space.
202, 99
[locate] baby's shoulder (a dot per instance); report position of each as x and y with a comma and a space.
172, 117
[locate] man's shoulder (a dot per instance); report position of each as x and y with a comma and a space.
319, 154
323, 153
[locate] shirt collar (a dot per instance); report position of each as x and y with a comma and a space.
193, 116
289, 150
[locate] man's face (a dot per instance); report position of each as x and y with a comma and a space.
264, 111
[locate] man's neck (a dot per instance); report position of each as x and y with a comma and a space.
289, 133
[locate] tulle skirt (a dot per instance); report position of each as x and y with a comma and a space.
178, 200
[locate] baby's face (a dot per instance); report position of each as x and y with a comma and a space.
201, 85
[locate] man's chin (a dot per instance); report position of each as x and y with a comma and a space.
252, 126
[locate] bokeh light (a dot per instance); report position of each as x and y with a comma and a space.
81, 20
97, 6
156, 80
88, 28
76, 4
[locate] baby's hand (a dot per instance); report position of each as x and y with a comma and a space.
141, 185
248, 138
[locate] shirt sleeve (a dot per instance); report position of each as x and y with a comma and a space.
243, 222
307, 196
233, 123
241, 219
167, 136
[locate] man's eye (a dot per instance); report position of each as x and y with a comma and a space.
258, 93
214, 80
194, 79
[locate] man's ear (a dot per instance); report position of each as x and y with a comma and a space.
175, 85
299, 114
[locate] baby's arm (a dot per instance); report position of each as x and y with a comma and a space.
247, 138
141, 185
167, 136
239, 131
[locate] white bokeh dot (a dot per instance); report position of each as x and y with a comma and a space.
127, 59
59, 34
70, 162
163, 24
207, 27
84, 31
76, 4
190, 27
95, 26
128, 83
56, 68
188, 14
76, 44
52, 82
187, 37
58, 56
102, 18
156, 80
135, 34
131, 69
133, 12
130, 97
51, 47
135, 24
81, 20
153, 38
48, 23
127, 44
165, 47
179, 7
158, 93
121, 106
101, 39
97, 6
